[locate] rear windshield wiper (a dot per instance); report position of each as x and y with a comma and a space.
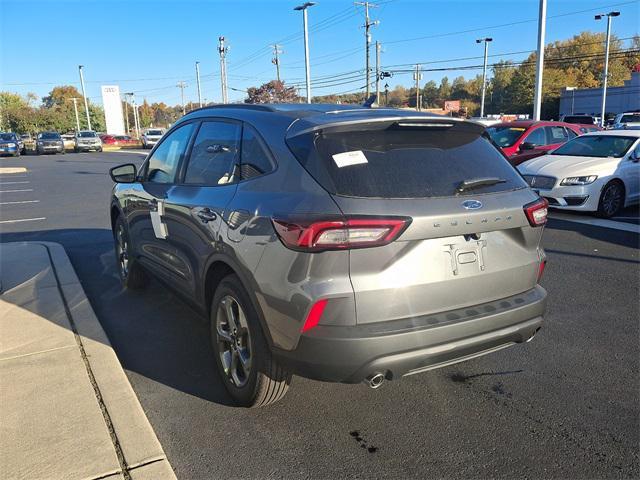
478, 182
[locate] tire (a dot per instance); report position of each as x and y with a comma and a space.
76, 150
99, 150
611, 199
241, 337
132, 275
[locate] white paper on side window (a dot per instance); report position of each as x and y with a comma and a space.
349, 158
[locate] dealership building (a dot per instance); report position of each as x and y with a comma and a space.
589, 100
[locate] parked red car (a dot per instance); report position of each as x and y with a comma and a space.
526, 139
116, 139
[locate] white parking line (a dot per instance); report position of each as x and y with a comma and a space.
129, 151
13, 183
13, 191
16, 203
597, 222
23, 220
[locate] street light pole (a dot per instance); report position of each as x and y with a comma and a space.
542, 27
484, 71
304, 8
606, 62
75, 109
84, 95
198, 82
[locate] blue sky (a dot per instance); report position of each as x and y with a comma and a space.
148, 46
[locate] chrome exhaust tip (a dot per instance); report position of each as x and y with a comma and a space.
375, 381
532, 335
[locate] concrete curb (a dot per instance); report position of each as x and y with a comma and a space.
140, 454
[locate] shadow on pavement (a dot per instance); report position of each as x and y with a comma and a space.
153, 332
609, 235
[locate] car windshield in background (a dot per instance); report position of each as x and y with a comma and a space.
87, 134
49, 136
154, 132
635, 118
583, 119
404, 162
505, 136
7, 137
596, 146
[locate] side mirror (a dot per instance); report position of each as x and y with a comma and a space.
527, 146
635, 156
123, 173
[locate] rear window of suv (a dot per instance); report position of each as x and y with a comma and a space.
394, 161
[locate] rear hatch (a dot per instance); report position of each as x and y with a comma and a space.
469, 240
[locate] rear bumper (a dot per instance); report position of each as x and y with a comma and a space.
407, 346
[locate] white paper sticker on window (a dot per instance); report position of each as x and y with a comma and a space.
349, 158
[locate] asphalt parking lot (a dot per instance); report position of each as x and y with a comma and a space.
566, 405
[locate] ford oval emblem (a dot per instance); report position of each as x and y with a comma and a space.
472, 204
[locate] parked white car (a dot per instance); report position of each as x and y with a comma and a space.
627, 120
596, 172
151, 136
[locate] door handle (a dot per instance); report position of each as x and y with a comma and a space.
153, 205
207, 215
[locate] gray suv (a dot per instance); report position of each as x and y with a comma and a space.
335, 243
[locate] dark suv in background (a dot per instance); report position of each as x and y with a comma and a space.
340, 244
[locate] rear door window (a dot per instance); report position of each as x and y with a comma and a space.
556, 135
389, 161
214, 154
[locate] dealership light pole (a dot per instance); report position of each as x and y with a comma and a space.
222, 50
484, 71
304, 8
542, 27
126, 113
135, 113
75, 109
198, 83
606, 61
84, 95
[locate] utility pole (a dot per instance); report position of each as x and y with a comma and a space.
378, 73
542, 27
222, 50
484, 71
181, 86
276, 59
126, 113
84, 95
367, 39
75, 109
606, 62
417, 76
198, 82
305, 26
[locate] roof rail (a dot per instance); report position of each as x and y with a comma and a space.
243, 106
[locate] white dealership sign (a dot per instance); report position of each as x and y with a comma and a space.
112, 104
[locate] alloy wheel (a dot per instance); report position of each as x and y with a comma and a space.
122, 249
234, 341
611, 199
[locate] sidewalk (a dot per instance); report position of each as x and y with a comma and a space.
67, 409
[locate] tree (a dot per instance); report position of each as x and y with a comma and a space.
272, 92
430, 94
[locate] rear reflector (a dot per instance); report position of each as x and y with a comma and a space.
314, 315
339, 234
541, 268
536, 212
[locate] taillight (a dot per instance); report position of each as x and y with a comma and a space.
339, 234
536, 212
314, 315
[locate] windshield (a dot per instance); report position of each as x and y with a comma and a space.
7, 136
404, 162
154, 132
584, 119
633, 118
596, 146
87, 134
505, 136
49, 136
